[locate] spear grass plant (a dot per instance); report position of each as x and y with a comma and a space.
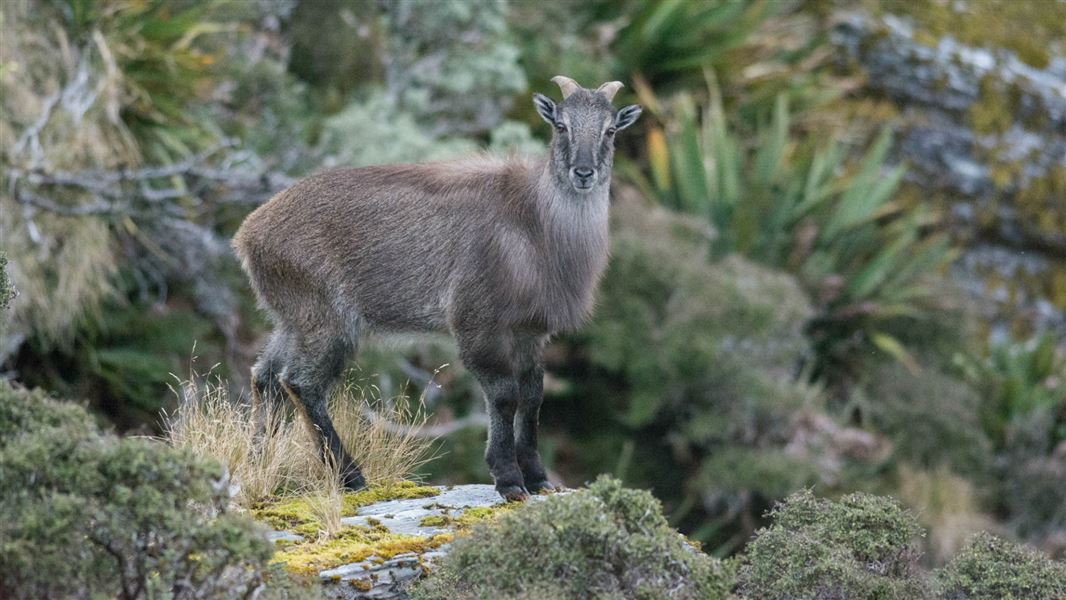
1019, 378
796, 202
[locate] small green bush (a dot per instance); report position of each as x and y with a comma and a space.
603, 542
86, 514
860, 547
990, 567
24, 411
931, 418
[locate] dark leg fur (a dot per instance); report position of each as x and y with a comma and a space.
489, 358
530, 362
313, 368
266, 389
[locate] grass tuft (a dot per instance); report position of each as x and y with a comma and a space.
277, 465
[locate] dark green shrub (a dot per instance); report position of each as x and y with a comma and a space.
86, 514
27, 411
792, 201
992, 568
605, 542
931, 418
697, 362
1033, 496
860, 547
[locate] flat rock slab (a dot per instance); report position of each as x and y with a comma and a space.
404, 516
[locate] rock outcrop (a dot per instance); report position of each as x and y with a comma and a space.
984, 131
425, 525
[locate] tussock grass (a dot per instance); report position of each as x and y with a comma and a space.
261, 461
280, 458
383, 435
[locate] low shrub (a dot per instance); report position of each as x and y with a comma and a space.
84, 514
697, 359
931, 418
604, 541
990, 567
863, 546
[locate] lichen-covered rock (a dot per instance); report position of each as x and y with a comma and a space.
392, 536
983, 115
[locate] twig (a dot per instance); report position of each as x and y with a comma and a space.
430, 431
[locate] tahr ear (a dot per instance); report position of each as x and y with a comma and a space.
626, 116
545, 107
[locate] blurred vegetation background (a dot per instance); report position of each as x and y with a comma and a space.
839, 252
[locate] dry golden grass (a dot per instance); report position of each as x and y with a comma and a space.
947, 504
261, 461
384, 436
281, 458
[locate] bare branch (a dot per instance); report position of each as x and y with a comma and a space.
479, 420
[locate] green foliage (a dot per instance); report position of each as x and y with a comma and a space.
155, 51
455, 89
860, 547
7, 291
707, 320
794, 203
719, 390
84, 514
993, 568
1019, 379
672, 39
1032, 493
603, 541
375, 132
931, 418
23, 411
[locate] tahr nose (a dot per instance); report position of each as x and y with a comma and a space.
584, 172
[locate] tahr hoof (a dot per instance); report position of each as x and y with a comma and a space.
513, 493
541, 487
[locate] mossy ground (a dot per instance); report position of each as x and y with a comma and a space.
357, 543
353, 544
296, 514
468, 517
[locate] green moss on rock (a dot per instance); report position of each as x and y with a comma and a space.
296, 514
468, 517
353, 544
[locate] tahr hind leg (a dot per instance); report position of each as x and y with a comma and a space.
315, 364
268, 399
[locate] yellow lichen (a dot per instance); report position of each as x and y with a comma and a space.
379, 493
353, 544
468, 517
296, 514
994, 110
988, 23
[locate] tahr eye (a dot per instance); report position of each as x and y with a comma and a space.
560, 128
610, 131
